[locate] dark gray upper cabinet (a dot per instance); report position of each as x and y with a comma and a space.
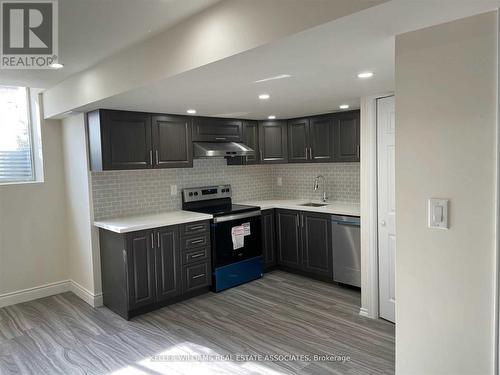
134, 140
251, 139
321, 139
172, 141
119, 140
347, 136
317, 244
298, 140
168, 264
141, 273
289, 238
273, 142
268, 239
213, 129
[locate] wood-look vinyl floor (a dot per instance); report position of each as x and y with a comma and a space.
281, 314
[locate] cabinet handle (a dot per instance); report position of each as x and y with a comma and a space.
198, 241
220, 138
260, 152
198, 276
158, 239
302, 219
151, 157
307, 155
311, 152
197, 227
152, 241
298, 220
357, 151
197, 255
157, 158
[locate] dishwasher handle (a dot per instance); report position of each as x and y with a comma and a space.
346, 220
347, 223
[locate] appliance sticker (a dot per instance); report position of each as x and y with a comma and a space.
246, 229
238, 237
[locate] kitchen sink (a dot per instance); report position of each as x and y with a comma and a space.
314, 204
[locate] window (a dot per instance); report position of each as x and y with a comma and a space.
16, 153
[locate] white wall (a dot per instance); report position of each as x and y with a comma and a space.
83, 252
445, 147
33, 228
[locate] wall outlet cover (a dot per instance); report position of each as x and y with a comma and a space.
280, 181
173, 190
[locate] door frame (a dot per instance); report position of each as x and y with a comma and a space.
369, 206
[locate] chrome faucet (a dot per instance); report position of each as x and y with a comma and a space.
316, 186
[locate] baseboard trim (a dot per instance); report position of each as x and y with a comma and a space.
364, 312
46, 290
36, 292
94, 300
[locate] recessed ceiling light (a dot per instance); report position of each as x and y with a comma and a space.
191, 111
344, 106
264, 96
281, 76
56, 66
272, 117
365, 75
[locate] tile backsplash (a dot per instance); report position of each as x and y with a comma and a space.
121, 193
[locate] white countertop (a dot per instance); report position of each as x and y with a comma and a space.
142, 222
333, 208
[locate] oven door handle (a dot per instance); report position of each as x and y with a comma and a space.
221, 219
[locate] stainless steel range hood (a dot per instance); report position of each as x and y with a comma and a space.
221, 149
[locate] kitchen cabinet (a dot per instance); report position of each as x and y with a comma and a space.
304, 243
317, 244
289, 239
347, 136
133, 140
145, 270
212, 129
310, 140
268, 239
172, 141
251, 139
298, 140
273, 142
119, 140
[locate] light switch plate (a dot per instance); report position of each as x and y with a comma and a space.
437, 212
280, 181
173, 190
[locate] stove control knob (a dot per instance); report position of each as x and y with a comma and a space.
196, 193
190, 194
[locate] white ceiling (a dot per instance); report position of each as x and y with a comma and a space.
91, 30
323, 62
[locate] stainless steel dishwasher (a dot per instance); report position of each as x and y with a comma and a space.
346, 250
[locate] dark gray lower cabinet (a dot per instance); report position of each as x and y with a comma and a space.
288, 239
145, 270
304, 243
268, 239
317, 257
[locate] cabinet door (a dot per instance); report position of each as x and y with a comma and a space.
288, 238
268, 239
321, 139
141, 272
298, 140
126, 140
251, 139
168, 263
273, 142
212, 129
347, 136
317, 244
172, 141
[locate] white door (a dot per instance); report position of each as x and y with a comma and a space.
386, 207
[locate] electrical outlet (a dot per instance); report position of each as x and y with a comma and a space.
173, 190
280, 181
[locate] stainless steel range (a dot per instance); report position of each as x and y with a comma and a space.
236, 235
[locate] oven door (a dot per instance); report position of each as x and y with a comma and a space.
224, 250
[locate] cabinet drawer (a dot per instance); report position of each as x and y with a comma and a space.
201, 240
193, 256
196, 276
194, 228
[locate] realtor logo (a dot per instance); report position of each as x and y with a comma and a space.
28, 34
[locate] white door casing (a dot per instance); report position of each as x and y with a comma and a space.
386, 206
